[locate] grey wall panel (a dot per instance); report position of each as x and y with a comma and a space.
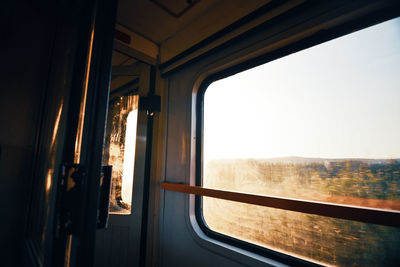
112, 247
179, 248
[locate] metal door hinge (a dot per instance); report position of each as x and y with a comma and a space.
151, 103
70, 199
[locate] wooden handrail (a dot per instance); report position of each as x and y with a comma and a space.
355, 213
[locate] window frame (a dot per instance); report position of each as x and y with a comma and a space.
322, 37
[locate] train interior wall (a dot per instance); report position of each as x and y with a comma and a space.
173, 236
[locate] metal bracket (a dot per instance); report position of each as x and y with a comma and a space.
72, 177
151, 103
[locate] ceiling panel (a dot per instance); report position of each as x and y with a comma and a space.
118, 58
153, 19
153, 22
176, 8
219, 17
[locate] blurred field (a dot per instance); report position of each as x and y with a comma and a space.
327, 240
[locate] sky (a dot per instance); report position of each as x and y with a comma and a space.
339, 99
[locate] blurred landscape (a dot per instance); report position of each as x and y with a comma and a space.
361, 182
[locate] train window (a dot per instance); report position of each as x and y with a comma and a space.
322, 124
119, 151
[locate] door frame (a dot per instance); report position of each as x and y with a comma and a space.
134, 223
81, 60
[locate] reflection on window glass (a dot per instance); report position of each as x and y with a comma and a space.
322, 124
119, 151
321, 239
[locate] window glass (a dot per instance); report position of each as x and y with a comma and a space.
322, 124
119, 151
